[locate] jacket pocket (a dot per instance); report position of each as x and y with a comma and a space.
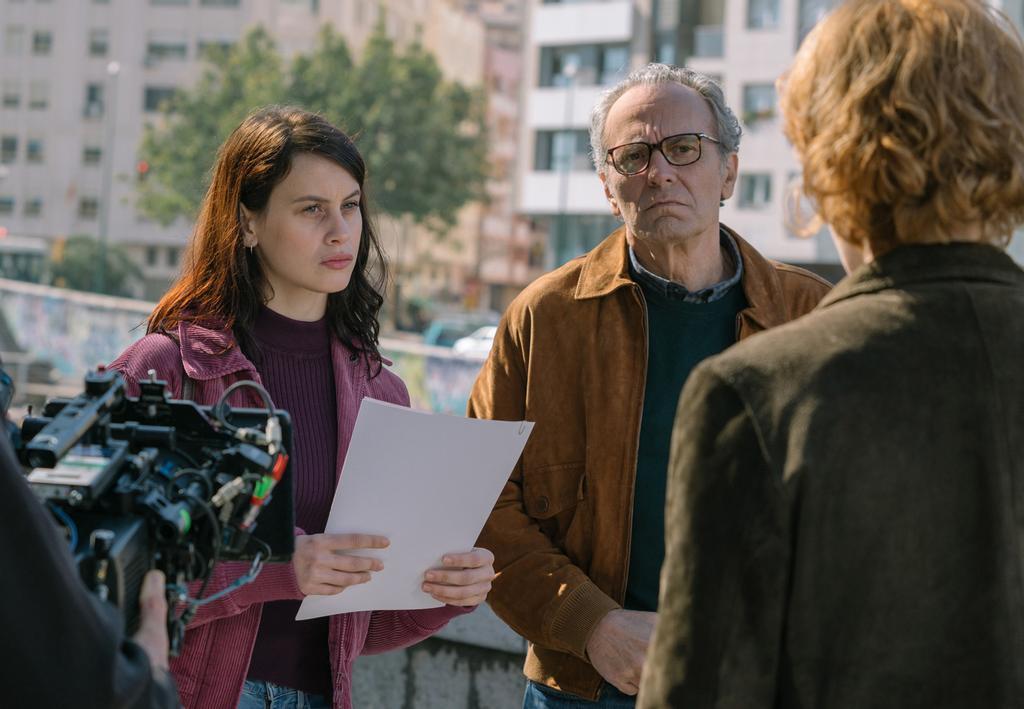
552, 489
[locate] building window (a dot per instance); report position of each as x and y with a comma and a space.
151, 255
755, 191
173, 256
34, 207
758, 103
11, 94
42, 42
99, 42
762, 14
559, 149
161, 47
596, 64
88, 208
205, 47
14, 40
93, 106
811, 12
38, 95
34, 150
8, 149
92, 155
6, 205
155, 95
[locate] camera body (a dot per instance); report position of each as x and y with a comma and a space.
152, 482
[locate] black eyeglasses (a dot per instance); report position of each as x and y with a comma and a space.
683, 149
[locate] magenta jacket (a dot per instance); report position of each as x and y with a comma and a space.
219, 640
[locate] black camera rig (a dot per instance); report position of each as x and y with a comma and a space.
152, 482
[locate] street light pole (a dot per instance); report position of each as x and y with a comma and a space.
569, 71
110, 120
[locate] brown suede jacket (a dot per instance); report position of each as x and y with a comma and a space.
571, 355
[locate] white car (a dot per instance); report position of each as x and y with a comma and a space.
477, 343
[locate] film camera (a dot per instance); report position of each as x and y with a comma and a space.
151, 482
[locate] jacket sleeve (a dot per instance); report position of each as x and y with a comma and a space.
276, 581
539, 592
393, 630
725, 576
61, 645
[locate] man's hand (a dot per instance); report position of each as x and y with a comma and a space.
323, 568
152, 633
618, 645
464, 580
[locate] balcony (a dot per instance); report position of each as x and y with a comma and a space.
541, 192
582, 23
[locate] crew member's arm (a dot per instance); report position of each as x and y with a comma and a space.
723, 584
61, 646
539, 592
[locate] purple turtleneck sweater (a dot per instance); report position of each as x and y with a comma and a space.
294, 360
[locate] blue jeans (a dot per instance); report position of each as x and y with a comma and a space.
540, 697
257, 694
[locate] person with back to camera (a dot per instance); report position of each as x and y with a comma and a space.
61, 645
845, 505
279, 289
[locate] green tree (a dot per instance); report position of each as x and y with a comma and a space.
180, 152
422, 137
74, 262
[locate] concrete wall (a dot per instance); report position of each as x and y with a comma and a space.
77, 331
474, 663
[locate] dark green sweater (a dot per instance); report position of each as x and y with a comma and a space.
680, 335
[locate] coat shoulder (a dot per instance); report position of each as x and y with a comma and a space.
155, 351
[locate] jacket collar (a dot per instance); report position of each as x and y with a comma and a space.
606, 269
924, 263
209, 352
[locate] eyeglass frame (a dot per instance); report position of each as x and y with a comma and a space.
651, 147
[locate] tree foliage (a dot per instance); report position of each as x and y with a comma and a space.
422, 137
75, 262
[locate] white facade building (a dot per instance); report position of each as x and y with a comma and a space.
745, 44
79, 79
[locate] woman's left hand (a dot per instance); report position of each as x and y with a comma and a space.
464, 580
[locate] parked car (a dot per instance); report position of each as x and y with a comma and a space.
478, 343
444, 330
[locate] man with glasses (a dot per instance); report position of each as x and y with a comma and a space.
596, 353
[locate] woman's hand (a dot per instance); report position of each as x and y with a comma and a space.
323, 568
464, 580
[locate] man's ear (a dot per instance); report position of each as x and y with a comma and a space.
247, 221
730, 170
612, 202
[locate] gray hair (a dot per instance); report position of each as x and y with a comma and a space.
729, 130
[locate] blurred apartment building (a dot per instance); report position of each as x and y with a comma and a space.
575, 50
79, 79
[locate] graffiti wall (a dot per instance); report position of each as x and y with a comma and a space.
76, 331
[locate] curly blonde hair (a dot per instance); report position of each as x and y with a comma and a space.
908, 118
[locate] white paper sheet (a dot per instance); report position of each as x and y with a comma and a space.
427, 482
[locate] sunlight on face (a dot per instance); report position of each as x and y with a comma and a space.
307, 237
667, 203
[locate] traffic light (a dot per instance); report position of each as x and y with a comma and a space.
141, 170
57, 249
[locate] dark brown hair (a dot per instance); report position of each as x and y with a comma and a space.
222, 284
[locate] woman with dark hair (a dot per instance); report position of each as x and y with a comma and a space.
282, 287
